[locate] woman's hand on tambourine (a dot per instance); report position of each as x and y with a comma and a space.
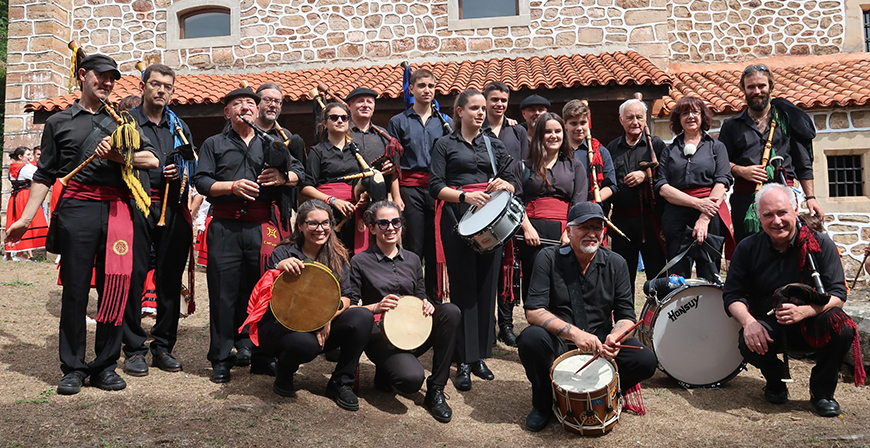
291, 265
428, 308
344, 207
531, 237
323, 334
477, 198
499, 184
387, 303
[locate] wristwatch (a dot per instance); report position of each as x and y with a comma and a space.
462, 197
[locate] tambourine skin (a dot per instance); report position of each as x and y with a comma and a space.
308, 301
406, 326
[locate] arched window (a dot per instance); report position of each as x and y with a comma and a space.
206, 22
202, 24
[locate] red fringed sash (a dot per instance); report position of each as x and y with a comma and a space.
259, 303
724, 215
414, 179
441, 259
548, 209
344, 192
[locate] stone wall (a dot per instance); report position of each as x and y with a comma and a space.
736, 30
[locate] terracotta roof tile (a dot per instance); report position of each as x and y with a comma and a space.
824, 84
518, 73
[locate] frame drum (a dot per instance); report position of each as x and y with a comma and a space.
406, 326
308, 301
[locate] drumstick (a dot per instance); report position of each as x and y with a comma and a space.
598, 355
544, 241
635, 347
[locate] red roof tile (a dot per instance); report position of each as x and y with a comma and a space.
518, 73
820, 85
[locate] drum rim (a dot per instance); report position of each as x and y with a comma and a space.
496, 218
321, 267
428, 318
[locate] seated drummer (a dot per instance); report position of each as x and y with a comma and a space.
599, 278
766, 261
314, 240
378, 277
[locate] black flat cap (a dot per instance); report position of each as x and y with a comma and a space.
584, 211
100, 63
360, 91
534, 100
245, 91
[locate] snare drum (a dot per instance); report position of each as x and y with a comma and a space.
588, 402
691, 335
406, 326
308, 301
488, 227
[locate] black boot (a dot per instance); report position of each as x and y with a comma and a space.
506, 335
436, 403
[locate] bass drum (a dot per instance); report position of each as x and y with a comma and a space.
691, 335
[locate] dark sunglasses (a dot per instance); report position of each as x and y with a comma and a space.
384, 224
756, 68
335, 117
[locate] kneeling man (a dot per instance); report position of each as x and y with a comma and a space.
573, 292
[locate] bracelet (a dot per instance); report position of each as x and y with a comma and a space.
233, 188
807, 198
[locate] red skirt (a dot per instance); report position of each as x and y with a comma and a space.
34, 238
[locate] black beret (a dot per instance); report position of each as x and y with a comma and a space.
534, 100
359, 91
100, 63
245, 91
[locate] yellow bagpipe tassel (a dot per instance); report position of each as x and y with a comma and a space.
126, 139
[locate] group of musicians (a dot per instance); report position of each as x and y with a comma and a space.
667, 204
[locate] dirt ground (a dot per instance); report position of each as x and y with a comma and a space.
186, 409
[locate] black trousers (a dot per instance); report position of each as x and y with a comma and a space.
134, 336
740, 203
636, 228
676, 223
349, 331
82, 227
538, 349
233, 270
402, 367
829, 357
473, 277
170, 245
419, 231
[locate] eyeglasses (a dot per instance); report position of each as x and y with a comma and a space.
335, 118
690, 112
313, 225
756, 68
588, 228
156, 85
384, 224
272, 101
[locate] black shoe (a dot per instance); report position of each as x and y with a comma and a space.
136, 366
284, 387
826, 407
480, 370
343, 396
506, 335
436, 403
332, 355
263, 367
108, 380
243, 356
776, 394
70, 384
166, 362
382, 382
537, 420
220, 374
462, 382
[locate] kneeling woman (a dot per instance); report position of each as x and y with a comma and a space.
313, 240
378, 277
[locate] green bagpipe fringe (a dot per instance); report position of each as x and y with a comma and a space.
126, 140
751, 222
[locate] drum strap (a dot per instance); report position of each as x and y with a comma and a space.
488, 143
572, 281
679, 257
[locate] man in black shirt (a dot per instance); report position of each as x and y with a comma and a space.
370, 138
573, 292
768, 260
92, 227
633, 209
241, 236
745, 136
170, 241
532, 107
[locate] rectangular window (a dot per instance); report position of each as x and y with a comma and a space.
867, 31
845, 176
480, 9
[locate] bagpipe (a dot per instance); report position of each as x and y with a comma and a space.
649, 168
125, 139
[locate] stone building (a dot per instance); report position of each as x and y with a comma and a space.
604, 50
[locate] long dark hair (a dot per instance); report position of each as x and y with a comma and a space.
322, 132
462, 101
537, 152
333, 254
18, 152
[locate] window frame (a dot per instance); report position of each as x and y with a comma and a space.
184, 8
858, 183
197, 11
454, 23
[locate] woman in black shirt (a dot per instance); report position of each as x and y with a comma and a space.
460, 176
693, 176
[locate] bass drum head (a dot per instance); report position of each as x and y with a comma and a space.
479, 218
694, 339
406, 326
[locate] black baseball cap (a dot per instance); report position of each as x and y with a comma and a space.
244, 91
584, 211
100, 63
360, 91
534, 100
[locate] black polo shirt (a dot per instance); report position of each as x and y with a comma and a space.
373, 275
285, 251
326, 162
605, 288
455, 162
416, 137
746, 146
757, 269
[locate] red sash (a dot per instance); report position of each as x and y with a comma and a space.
440, 258
119, 247
598, 163
259, 303
548, 209
724, 215
414, 179
252, 211
344, 192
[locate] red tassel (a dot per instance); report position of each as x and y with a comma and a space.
634, 400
